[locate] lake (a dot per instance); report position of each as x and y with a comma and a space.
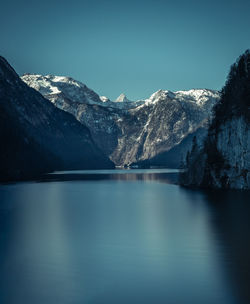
122, 236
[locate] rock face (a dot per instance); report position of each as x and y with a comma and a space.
37, 137
224, 159
122, 98
144, 132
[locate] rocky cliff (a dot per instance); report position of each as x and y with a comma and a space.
224, 159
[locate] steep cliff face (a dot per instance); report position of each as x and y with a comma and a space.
233, 142
37, 137
158, 126
224, 159
133, 132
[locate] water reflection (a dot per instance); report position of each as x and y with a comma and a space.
117, 171
160, 175
120, 241
230, 217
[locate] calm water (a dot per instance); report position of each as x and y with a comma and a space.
122, 238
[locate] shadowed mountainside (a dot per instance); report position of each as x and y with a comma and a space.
36, 137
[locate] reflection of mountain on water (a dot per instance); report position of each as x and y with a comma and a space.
170, 177
229, 225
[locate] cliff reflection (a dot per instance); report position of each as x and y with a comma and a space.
230, 225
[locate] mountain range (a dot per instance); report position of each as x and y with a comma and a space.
50, 123
157, 131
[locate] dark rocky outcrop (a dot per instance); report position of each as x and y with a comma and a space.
36, 137
223, 161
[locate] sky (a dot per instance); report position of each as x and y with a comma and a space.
131, 47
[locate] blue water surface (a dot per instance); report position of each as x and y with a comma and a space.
125, 239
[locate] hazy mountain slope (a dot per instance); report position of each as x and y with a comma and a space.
20, 156
224, 160
158, 125
130, 132
175, 157
36, 133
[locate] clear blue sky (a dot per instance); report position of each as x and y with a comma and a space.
135, 47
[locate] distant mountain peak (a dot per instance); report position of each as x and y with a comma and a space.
122, 98
51, 85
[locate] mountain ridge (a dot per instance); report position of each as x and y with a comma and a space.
124, 130
46, 137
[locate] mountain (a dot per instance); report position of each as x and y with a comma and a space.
37, 137
142, 132
122, 98
224, 159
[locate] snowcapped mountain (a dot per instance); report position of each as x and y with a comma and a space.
36, 137
122, 98
151, 130
59, 89
132, 132
65, 87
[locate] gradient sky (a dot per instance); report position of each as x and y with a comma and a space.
135, 47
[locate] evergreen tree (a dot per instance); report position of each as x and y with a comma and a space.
235, 95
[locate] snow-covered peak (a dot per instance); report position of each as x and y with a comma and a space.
199, 96
159, 95
57, 85
122, 98
66, 88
